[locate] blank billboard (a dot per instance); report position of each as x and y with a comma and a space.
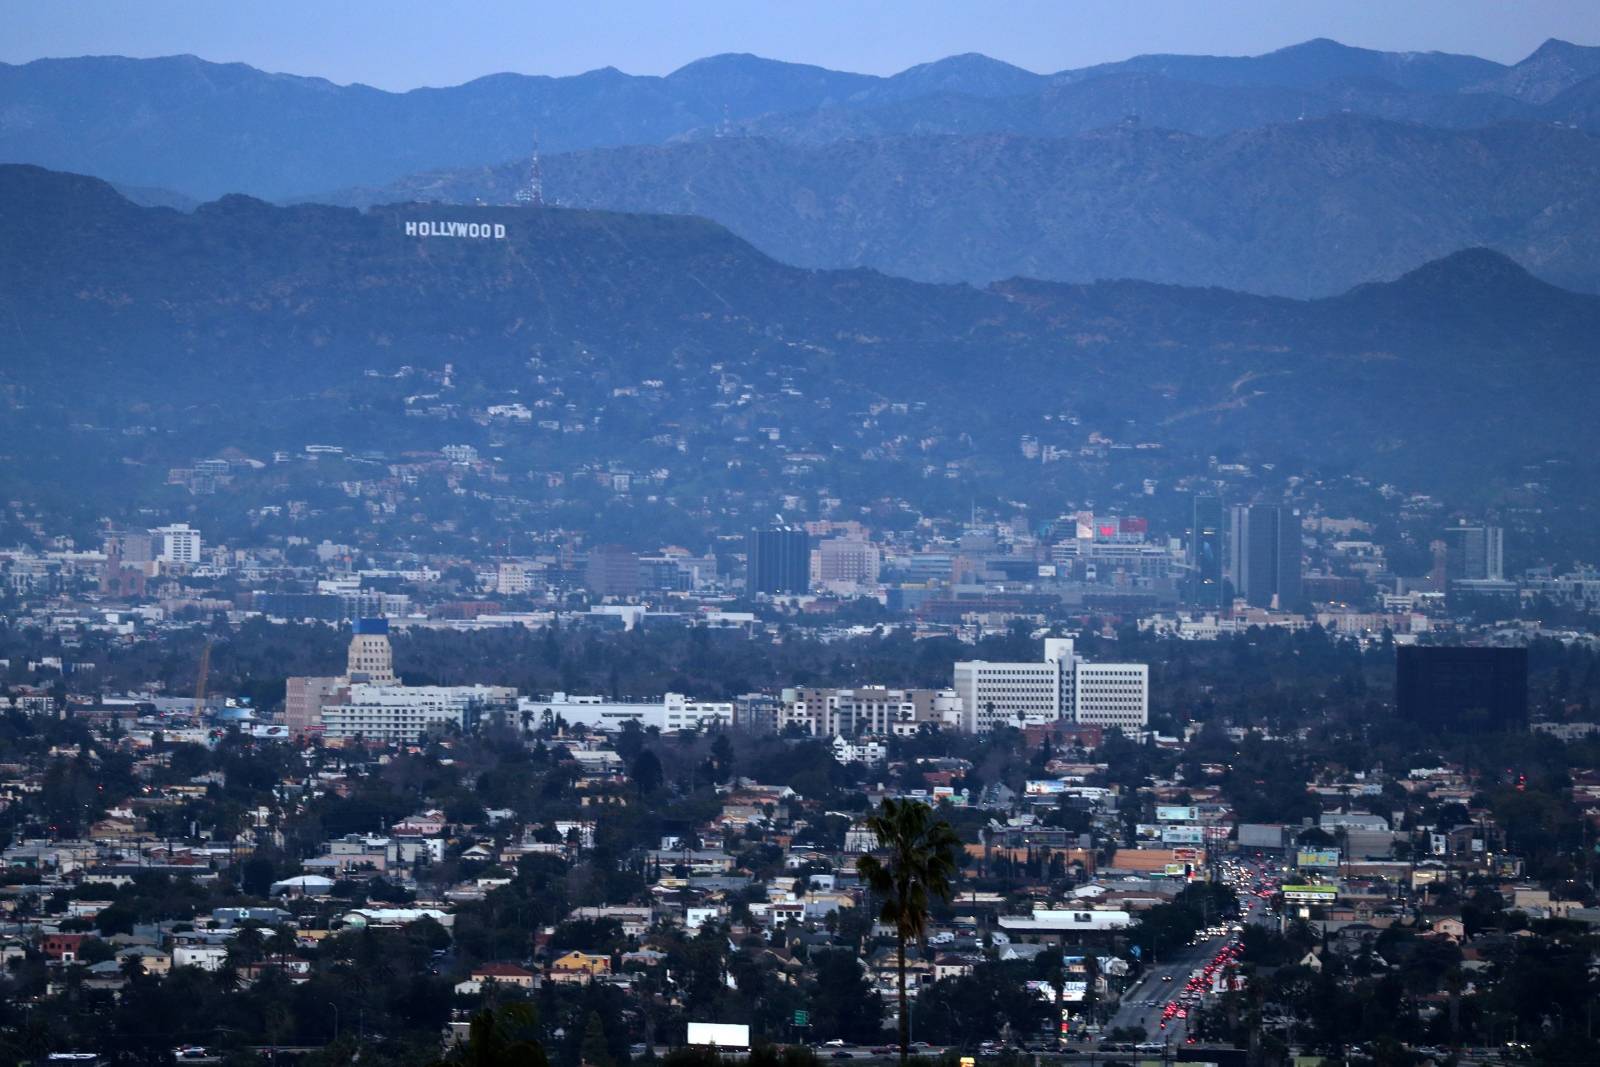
722, 1035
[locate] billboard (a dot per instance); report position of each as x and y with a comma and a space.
1175, 813
1044, 787
1260, 835
1310, 894
722, 1035
1182, 835
1317, 857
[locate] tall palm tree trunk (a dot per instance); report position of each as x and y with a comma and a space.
905, 1018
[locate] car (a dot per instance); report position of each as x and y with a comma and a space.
1166, 978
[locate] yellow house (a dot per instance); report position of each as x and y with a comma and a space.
580, 967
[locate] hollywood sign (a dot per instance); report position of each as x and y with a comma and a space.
478, 230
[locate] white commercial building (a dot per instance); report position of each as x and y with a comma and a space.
860, 750
868, 710
1111, 695
673, 713
1001, 694
180, 544
1064, 687
1052, 923
409, 712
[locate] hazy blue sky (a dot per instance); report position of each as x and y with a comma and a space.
399, 44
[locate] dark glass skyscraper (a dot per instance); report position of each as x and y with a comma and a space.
1475, 553
1463, 689
778, 560
1264, 559
612, 570
1205, 554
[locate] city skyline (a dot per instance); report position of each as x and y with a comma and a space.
779, 566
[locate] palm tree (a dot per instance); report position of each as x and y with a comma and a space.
1454, 982
918, 863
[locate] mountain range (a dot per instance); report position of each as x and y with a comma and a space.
1300, 173
1300, 209
252, 324
204, 129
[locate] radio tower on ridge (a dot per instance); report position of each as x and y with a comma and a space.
532, 193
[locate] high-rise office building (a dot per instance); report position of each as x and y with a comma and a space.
370, 659
1264, 561
1462, 688
778, 560
1065, 687
612, 570
1205, 553
847, 561
180, 544
1474, 553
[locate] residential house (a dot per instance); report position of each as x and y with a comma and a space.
579, 967
507, 974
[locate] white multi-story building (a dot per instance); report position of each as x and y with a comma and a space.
408, 712
1007, 694
180, 544
867, 711
860, 750
1064, 686
511, 579
673, 713
1111, 695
